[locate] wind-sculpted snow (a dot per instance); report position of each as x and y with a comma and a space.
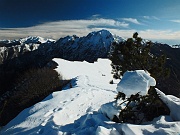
134, 82
78, 111
173, 103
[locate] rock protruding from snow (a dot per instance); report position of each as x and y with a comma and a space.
134, 82
173, 104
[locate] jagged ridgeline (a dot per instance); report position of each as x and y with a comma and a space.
19, 55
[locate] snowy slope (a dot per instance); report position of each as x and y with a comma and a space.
78, 110
90, 90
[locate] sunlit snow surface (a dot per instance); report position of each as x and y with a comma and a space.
134, 82
79, 110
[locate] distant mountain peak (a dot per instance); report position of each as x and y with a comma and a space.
102, 32
35, 39
95, 45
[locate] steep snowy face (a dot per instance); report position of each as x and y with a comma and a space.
101, 38
94, 45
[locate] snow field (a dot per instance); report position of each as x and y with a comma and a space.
82, 109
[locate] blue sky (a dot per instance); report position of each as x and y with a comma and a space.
157, 20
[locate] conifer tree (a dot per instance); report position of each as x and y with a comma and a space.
134, 54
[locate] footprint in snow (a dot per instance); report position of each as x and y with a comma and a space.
57, 109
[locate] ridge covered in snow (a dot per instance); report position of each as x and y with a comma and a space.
27, 40
35, 39
91, 47
83, 108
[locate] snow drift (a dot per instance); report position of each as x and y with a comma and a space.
134, 82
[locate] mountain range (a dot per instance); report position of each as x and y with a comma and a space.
20, 54
94, 45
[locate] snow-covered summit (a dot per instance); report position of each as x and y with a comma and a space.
91, 47
35, 39
103, 35
27, 40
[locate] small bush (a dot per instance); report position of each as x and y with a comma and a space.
140, 108
38, 82
31, 87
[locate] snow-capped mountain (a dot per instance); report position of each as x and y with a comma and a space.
10, 49
39, 51
94, 45
27, 40
91, 81
35, 40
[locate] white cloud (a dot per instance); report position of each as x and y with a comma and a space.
176, 21
60, 29
96, 15
160, 34
164, 36
146, 17
132, 20
151, 17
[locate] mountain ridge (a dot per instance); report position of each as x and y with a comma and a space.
100, 40
30, 52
